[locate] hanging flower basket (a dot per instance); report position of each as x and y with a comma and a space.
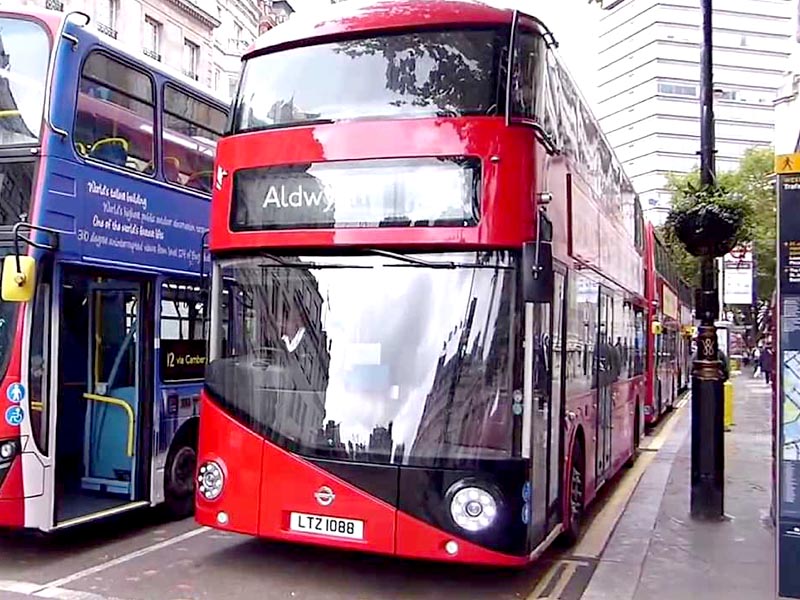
709, 222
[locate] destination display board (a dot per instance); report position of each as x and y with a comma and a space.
409, 192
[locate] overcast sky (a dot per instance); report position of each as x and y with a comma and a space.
573, 22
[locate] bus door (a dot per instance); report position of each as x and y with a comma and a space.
100, 416
605, 366
539, 350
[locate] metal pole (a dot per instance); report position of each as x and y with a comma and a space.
708, 449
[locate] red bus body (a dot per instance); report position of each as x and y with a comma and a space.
669, 334
488, 472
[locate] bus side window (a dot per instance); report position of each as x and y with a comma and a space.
191, 129
528, 75
115, 114
639, 341
39, 366
181, 332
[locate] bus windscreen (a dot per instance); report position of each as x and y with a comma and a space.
421, 74
24, 56
323, 353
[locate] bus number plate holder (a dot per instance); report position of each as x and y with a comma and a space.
337, 527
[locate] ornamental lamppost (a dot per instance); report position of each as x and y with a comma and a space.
709, 223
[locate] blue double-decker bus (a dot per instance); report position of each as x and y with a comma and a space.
106, 167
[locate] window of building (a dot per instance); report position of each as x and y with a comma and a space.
115, 116
676, 89
191, 59
152, 38
106, 16
233, 83
191, 130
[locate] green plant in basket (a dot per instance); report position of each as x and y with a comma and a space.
709, 220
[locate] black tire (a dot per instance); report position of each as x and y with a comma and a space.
179, 479
576, 491
636, 437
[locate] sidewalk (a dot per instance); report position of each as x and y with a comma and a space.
658, 553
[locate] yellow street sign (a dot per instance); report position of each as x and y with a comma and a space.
787, 163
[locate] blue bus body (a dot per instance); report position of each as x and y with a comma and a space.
112, 347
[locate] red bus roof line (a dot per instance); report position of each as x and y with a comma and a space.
359, 17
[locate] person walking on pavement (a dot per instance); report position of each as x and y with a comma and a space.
756, 361
767, 360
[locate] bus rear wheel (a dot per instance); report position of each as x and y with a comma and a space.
179, 481
636, 438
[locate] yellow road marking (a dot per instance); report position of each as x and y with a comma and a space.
563, 581
544, 581
599, 532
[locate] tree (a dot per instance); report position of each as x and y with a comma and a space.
754, 182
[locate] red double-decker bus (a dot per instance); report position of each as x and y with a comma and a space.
669, 334
428, 315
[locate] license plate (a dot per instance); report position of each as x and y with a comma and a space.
329, 526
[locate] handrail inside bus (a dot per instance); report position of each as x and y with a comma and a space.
123, 405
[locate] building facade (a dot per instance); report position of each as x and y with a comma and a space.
648, 84
203, 39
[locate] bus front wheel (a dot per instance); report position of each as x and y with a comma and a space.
575, 490
179, 480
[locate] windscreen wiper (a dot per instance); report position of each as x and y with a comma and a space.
283, 263
410, 260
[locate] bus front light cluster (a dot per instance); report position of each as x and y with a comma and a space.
210, 480
473, 508
7, 450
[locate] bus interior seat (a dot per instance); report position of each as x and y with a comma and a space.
172, 169
111, 150
201, 180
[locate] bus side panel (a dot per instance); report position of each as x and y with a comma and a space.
238, 451
291, 484
12, 506
416, 539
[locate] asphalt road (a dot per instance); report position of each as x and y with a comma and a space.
144, 557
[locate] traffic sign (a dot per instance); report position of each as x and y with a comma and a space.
15, 393
14, 415
787, 163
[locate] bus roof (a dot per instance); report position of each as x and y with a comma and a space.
53, 20
358, 16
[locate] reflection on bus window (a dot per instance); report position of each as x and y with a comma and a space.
420, 74
115, 116
191, 130
24, 53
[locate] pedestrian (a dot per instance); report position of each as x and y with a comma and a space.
767, 362
756, 361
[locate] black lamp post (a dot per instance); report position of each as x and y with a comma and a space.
708, 444
706, 234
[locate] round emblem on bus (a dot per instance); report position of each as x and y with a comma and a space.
325, 496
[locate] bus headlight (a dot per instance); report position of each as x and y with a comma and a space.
7, 450
473, 508
210, 480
